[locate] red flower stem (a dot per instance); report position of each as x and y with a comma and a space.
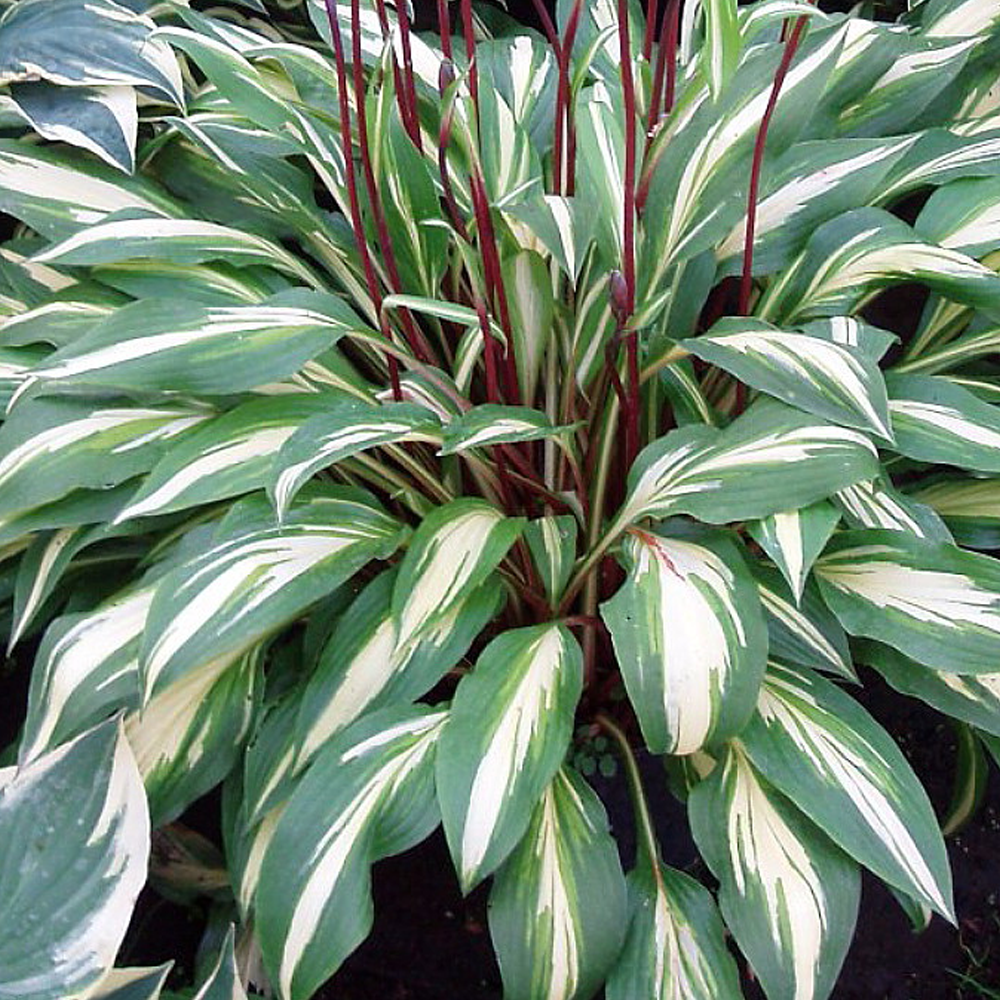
671, 32
408, 83
628, 95
562, 92
494, 280
489, 352
352, 193
444, 28
634, 401
451, 204
397, 76
746, 280
416, 340
666, 69
569, 112
647, 41
547, 25
470, 52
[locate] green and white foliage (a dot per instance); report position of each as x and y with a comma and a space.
376, 438
690, 637
78, 818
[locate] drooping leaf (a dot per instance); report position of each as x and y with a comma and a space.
815, 744
930, 600
455, 549
689, 637
970, 508
768, 460
74, 841
223, 980
793, 539
368, 795
818, 376
510, 725
789, 895
875, 505
490, 423
675, 948
557, 908
258, 577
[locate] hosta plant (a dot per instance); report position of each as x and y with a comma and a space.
391, 414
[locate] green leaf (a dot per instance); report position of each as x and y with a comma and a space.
51, 447
560, 224
676, 944
848, 259
510, 164
936, 421
509, 728
820, 748
803, 631
875, 505
86, 668
257, 578
974, 698
368, 795
930, 600
57, 193
793, 539
363, 666
175, 241
552, 543
490, 423
223, 980
720, 51
345, 429
187, 735
454, 550
963, 215
170, 346
827, 379
957, 18
769, 460
102, 120
970, 508
557, 908
689, 637
789, 896
132, 984
226, 456
74, 842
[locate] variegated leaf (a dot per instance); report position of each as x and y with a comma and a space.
676, 945
102, 120
454, 550
528, 282
851, 257
98, 42
509, 728
820, 748
963, 215
958, 18
970, 508
557, 908
511, 168
930, 600
83, 810
86, 668
768, 460
974, 698
552, 543
166, 345
51, 447
188, 735
132, 984
789, 896
559, 224
223, 980
720, 50
689, 637
803, 631
793, 539
256, 578
368, 795
818, 376
345, 429
936, 421
228, 455
176, 241
57, 194
875, 505
490, 423
362, 666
